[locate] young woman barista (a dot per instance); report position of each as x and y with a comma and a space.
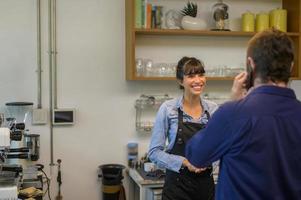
178, 120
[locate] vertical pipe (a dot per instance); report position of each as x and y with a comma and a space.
50, 78
54, 57
39, 62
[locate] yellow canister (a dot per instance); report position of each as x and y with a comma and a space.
262, 21
248, 22
278, 19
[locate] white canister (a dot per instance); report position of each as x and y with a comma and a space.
149, 167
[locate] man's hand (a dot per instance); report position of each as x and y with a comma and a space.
238, 90
192, 168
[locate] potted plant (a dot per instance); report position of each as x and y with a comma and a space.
190, 20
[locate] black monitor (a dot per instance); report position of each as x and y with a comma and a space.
63, 116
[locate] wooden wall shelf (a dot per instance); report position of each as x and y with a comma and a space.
200, 33
173, 78
293, 8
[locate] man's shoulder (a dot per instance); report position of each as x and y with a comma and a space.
230, 105
232, 109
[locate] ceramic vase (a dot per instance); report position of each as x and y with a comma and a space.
193, 23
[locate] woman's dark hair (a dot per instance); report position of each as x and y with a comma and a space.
189, 66
273, 54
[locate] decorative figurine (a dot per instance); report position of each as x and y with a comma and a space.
221, 16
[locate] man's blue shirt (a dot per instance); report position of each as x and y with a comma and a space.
258, 140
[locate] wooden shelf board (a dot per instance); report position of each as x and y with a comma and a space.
173, 78
199, 32
142, 78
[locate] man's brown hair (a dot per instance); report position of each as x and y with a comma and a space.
273, 55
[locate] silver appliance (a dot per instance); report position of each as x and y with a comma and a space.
20, 147
32, 142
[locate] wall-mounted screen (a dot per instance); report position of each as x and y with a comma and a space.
63, 116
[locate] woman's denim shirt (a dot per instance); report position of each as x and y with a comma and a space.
165, 132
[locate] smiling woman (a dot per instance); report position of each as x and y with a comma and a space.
176, 122
194, 79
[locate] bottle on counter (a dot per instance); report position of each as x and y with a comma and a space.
132, 154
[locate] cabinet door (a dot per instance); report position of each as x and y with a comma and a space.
154, 194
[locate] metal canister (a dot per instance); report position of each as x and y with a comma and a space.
32, 141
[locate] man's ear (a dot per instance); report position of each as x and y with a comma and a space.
251, 62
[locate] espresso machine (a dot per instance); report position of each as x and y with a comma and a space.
23, 144
18, 150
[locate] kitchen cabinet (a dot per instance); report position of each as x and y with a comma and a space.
141, 189
134, 36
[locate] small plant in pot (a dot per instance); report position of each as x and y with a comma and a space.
190, 20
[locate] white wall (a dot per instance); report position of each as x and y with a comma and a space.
91, 78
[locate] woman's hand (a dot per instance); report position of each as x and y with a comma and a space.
238, 90
192, 168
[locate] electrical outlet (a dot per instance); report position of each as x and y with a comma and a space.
39, 116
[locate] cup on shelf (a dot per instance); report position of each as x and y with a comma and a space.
139, 67
148, 71
209, 71
160, 69
147, 68
165, 69
223, 71
171, 69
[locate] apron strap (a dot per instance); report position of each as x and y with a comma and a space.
180, 116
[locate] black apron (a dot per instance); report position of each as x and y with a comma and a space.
187, 185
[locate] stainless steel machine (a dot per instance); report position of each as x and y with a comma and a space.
18, 152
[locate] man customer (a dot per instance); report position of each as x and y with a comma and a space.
258, 136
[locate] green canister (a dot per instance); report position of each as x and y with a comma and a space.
248, 22
278, 19
262, 21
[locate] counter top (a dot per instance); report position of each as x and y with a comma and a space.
134, 174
